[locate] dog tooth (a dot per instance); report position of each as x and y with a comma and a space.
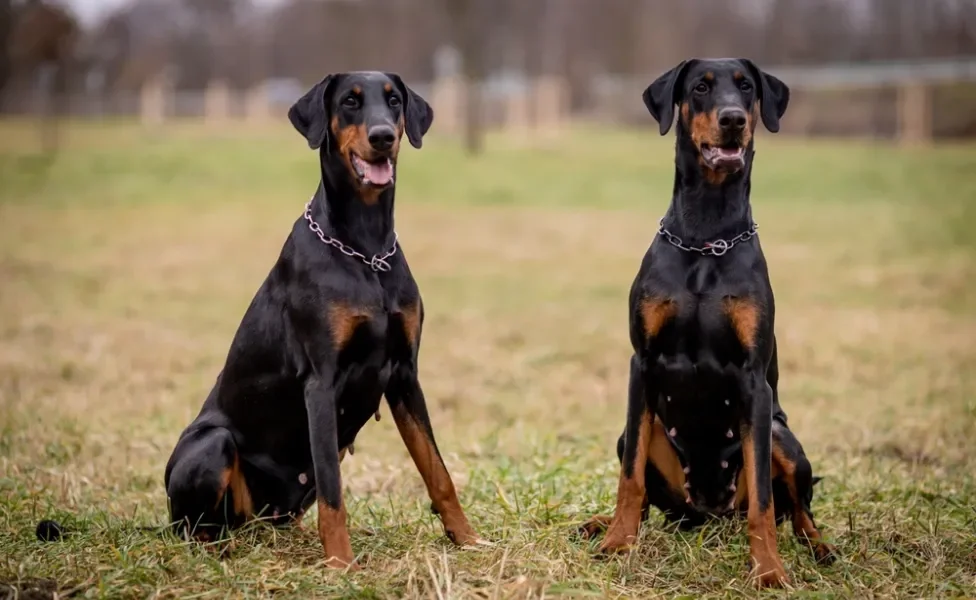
725, 464
726, 402
673, 432
731, 487
729, 434
687, 499
687, 486
302, 478
687, 470
669, 398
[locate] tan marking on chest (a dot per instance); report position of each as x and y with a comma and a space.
343, 321
744, 315
655, 312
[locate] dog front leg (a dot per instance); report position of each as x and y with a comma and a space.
631, 488
757, 459
791, 464
409, 409
320, 404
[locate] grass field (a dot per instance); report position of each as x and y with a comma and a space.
127, 263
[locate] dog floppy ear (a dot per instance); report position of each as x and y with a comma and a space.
774, 96
417, 114
310, 114
661, 96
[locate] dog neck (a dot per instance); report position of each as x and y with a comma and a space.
702, 210
341, 211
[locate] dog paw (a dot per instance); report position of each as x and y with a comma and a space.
346, 564
617, 543
464, 535
615, 546
826, 554
478, 544
595, 526
771, 575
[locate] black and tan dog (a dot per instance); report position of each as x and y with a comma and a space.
705, 435
335, 326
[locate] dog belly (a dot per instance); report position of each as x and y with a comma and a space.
699, 404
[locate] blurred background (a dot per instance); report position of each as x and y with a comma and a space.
870, 68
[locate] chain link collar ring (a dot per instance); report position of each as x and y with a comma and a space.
714, 248
377, 262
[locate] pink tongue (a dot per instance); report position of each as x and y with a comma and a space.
379, 174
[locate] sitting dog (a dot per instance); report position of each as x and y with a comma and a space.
705, 434
335, 326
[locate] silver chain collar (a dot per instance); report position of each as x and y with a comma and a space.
377, 262
713, 248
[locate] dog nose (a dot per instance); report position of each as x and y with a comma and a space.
382, 137
732, 119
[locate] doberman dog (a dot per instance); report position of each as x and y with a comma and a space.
335, 326
705, 435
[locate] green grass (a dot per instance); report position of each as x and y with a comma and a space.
127, 262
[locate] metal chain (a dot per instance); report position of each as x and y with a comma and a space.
377, 262
715, 248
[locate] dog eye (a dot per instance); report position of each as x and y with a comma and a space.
394, 102
745, 86
701, 88
350, 102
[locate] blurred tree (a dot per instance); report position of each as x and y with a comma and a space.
41, 47
6, 26
469, 31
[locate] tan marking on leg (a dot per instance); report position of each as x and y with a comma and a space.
742, 491
655, 312
343, 321
744, 314
661, 453
761, 526
631, 491
335, 536
410, 317
440, 487
803, 526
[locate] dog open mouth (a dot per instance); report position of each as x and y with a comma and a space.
378, 172
728, 158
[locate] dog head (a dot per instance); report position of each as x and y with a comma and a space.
358, 119
720, 104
